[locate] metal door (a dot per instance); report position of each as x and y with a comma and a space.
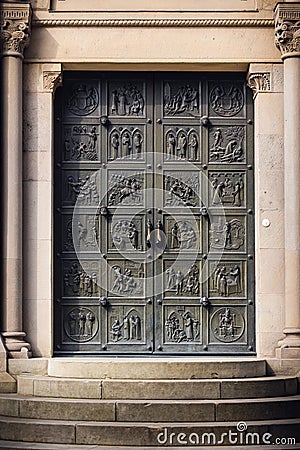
154, 214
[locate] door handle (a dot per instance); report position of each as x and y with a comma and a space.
148, 233
158, 231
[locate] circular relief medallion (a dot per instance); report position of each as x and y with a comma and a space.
83, 100
227, 324
226, 100
81, 324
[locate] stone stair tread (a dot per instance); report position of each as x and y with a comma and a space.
39, 446
160, 380
160, 367
158, 424
14, 396
49, 386
134, 434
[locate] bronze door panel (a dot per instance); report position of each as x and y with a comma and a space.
154, 214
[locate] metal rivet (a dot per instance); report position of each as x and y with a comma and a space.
149, 348
250, 256
249, 122
149, 121
159, 348
205, 347
158, 121
104, 347
249, 211
159, 166
149, 301
204, 166
250, 302
249, 166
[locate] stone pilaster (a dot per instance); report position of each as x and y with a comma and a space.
14, 37
266, 82
287, 39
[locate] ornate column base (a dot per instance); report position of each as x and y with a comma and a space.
289, 347
15, 345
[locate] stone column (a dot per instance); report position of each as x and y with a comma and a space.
287, 39
14, 37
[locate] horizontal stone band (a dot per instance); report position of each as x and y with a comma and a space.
154, 23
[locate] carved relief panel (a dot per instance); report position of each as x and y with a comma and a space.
81, 230
127, 278
181, 144
80, 280
81, 186
183, 233
182, 324
181, 189
126, 142
228, 234
227, 144
228, 279
126, 99
126, 234
81, 143
125, 188
181, 99
227, 189
182, 279
227, 324
82, 99
126, 324
81, 324
227, 99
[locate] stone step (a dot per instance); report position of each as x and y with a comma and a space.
156, 368
139, 435
43, 386
8, 384
38, 446
150, 410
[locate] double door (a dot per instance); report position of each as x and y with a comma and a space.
154, 214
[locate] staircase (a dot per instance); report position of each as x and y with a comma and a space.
151, 403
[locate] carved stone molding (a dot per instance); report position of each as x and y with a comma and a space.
287, 29
15, 24
259, 82
177, 23
52, 80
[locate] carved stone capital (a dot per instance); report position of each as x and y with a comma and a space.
15, 27
259, 82
52, 80
287, 29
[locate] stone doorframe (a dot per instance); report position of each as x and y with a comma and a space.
277, 231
